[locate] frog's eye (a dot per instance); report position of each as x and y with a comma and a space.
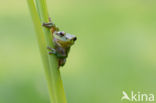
62, 33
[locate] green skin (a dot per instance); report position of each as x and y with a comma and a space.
62, 43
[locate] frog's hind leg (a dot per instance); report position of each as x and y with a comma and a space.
49, 25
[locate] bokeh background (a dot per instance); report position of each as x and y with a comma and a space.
115, 50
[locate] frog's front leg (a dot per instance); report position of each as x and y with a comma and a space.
62, 58
53, 51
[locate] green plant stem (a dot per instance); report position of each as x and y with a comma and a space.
50, 62
41, 41
57, 85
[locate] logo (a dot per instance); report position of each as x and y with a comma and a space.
137, 97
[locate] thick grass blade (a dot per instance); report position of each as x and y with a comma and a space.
50, 62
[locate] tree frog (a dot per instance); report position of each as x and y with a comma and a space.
62, 43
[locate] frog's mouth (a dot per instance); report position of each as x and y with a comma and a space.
65, 43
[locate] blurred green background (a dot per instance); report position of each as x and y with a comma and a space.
115, 50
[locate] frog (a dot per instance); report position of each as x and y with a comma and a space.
62, 43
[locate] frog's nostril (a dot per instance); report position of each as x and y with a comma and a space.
74, 38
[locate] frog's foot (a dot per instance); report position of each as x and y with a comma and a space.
53, 51
61, 62
49, 25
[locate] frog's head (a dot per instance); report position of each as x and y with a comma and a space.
64, 39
